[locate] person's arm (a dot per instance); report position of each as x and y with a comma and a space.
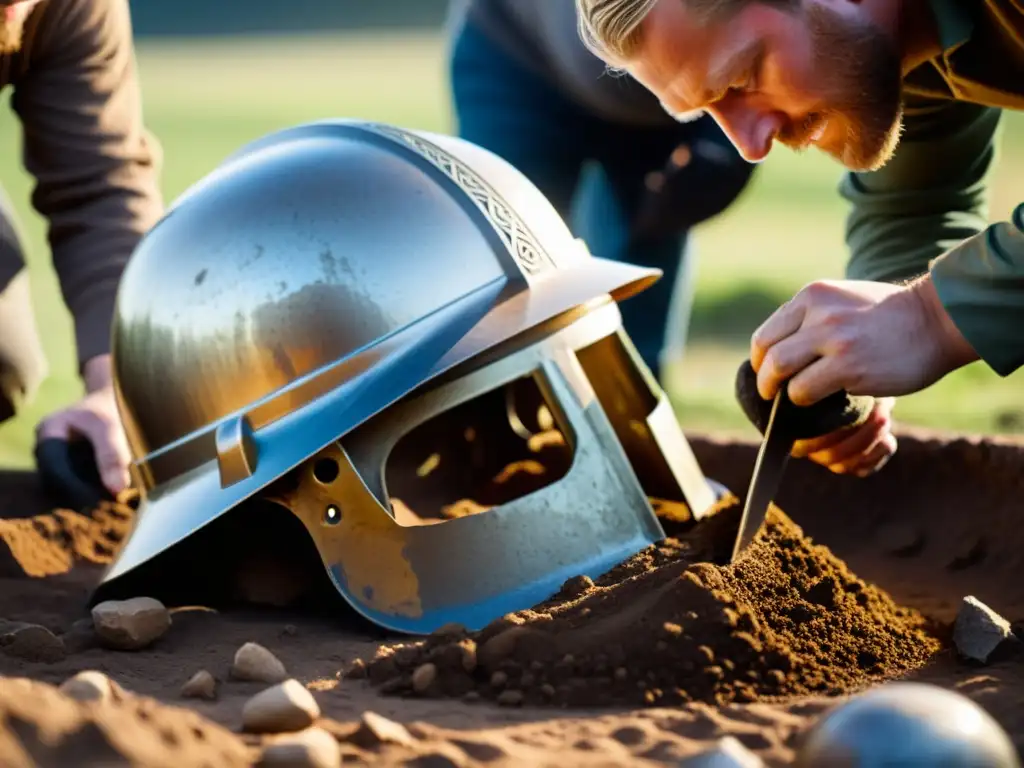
927, 211
96, 168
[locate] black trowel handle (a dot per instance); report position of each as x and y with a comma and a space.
836, 411
70, 476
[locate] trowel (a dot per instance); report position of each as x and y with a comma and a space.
782, 423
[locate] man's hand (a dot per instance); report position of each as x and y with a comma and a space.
95, 418
860, 450
867, 338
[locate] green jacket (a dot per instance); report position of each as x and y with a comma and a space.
927, 208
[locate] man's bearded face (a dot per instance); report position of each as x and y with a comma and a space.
811, 76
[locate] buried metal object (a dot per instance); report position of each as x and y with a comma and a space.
336, 287
908, 724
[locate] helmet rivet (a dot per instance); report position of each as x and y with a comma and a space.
326, 470
332, 515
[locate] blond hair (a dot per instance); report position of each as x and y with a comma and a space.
611, 28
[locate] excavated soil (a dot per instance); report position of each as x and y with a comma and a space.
855, 584
670, 627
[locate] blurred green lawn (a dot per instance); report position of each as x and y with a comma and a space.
205, 98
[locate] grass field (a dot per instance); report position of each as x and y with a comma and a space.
205, 98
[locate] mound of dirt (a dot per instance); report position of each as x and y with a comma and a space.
670, 627
40, 725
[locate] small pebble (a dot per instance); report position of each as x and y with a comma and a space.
202, 685
287, 706
254, 663
500, 647
89, 685
311, 748
130, 625
423, 677
375, 730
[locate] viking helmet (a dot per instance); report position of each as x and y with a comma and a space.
318, 306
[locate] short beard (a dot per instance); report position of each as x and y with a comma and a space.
866, 91
10, 36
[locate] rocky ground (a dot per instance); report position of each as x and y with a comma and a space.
770, 648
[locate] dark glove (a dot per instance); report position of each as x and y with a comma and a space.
69, 474
836, 411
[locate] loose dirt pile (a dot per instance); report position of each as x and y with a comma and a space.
39, 725
667, 628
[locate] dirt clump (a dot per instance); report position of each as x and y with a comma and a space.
669, 626
50, 544
40, 725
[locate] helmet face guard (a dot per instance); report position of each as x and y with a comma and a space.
470, 569
292, 346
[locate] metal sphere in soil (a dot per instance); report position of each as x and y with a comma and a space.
907, 724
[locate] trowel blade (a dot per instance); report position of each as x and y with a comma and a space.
768, 470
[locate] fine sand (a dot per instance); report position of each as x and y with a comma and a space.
852, 582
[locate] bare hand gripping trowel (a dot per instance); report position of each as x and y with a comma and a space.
782, 423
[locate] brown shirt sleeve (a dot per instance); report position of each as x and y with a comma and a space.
96, 168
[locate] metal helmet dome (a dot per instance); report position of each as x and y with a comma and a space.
314, 279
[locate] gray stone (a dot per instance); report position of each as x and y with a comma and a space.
979, 630
256, 664
202, 685
89, 685
424, 677
375, 730
285, 707
130, 625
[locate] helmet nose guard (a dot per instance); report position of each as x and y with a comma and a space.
333, 286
